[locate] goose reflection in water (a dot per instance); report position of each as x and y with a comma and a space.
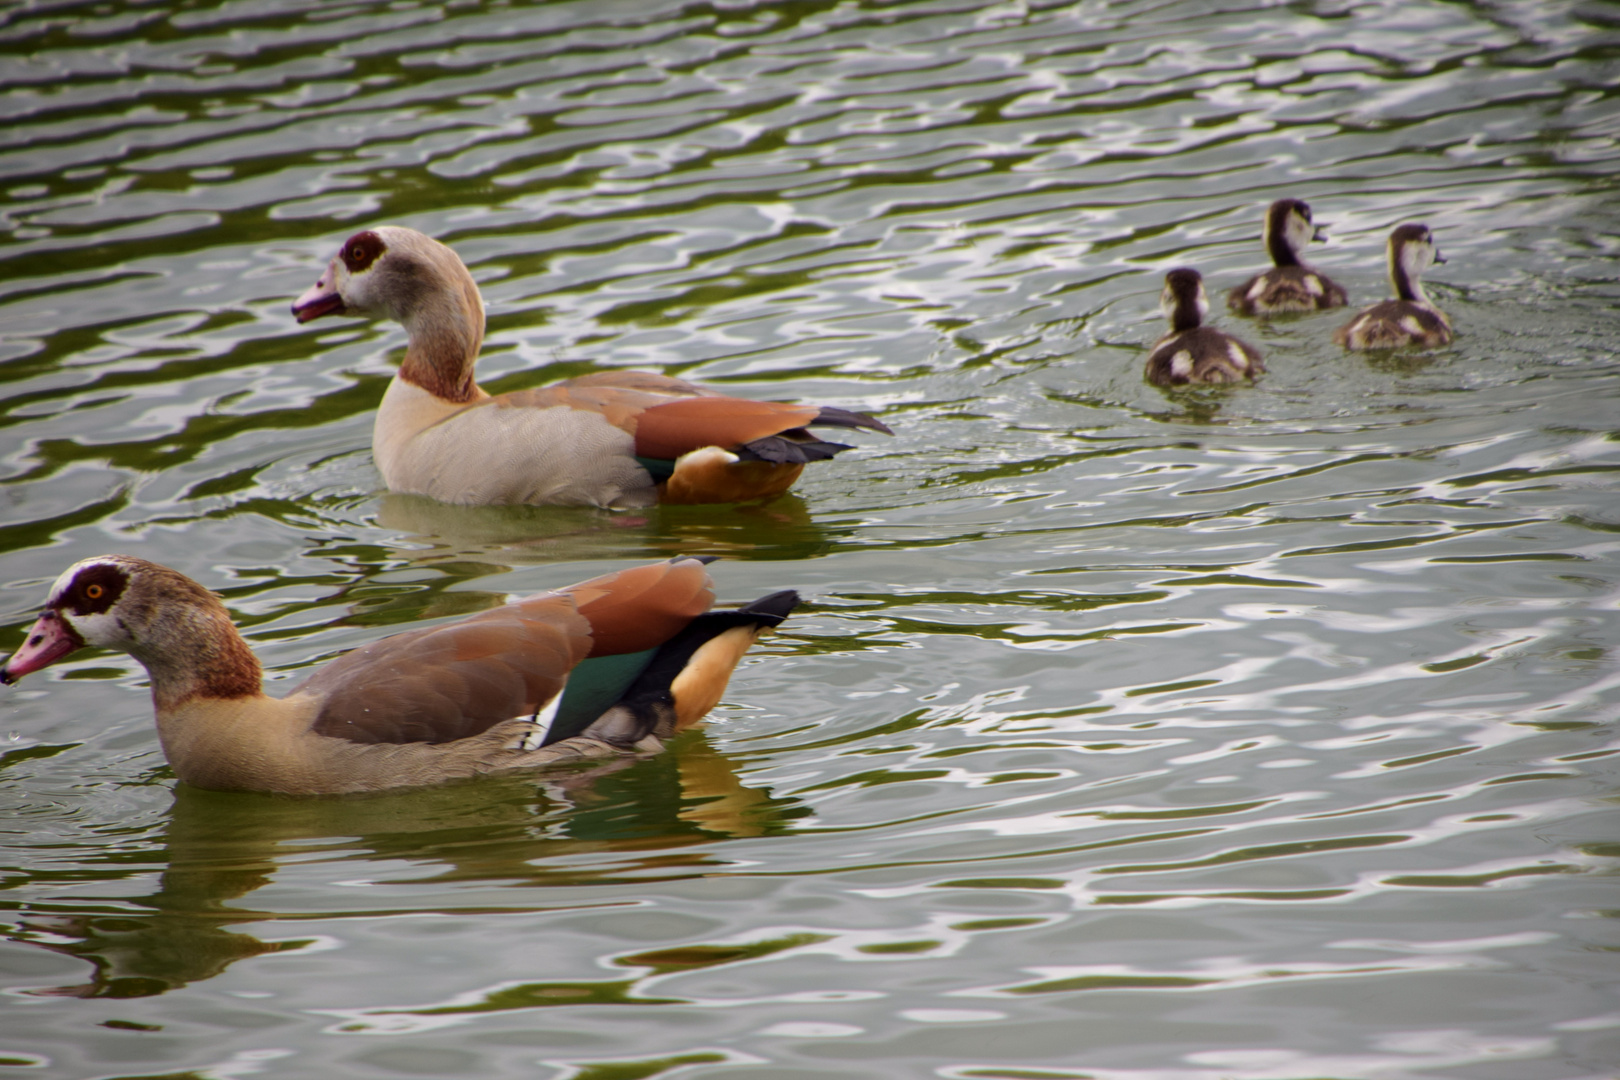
221, 847
462, 544
500, 535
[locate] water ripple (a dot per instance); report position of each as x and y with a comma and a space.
1197, 710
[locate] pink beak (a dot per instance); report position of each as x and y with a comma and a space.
50, 639
320, 299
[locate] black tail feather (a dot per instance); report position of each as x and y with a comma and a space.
772, 609
785, 449
647, 707
832, 417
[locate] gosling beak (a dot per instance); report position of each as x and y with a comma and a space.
1320, 234
321, 299
1439, 258
50, 639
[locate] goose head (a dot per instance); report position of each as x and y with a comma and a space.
1183, 300
179, 630
391, 272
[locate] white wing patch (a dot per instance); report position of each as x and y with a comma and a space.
1313, 285
1412, 326
1258, 287
706, 455
536, 735
1235, 351
1181, 365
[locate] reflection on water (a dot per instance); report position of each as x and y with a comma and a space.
216, 849
781, 529
1126, 734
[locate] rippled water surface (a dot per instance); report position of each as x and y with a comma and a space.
1264, 734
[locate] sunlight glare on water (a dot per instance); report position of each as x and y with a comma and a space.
1130, 735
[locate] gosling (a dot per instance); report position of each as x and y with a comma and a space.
1411, 318
1292, 284
1192, 352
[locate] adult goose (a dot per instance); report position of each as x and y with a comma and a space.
1192, 352
608, 667
1291, 284
613, 439
1411, 318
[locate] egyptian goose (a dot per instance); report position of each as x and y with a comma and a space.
613, 439
1411, 318
1291, 284
607, 667
1192, 352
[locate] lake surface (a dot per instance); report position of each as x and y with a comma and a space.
1264, 734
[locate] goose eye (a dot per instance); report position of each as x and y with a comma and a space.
94, 592
361, 250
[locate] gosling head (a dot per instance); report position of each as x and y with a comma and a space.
1289, 228
1183, 300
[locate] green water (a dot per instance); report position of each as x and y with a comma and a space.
1258, 735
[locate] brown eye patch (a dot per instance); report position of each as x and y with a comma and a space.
95, 589
361, 250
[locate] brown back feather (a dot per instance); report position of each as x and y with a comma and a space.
670, 417
451, 682
444, 683
620, 396
648, 382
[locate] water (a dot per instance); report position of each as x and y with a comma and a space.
1264, 734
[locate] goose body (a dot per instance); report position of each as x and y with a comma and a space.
1192, 352
1291, 284
613, 439
603, 668
1411, 318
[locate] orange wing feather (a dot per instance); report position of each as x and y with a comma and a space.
676, 427
643, 606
